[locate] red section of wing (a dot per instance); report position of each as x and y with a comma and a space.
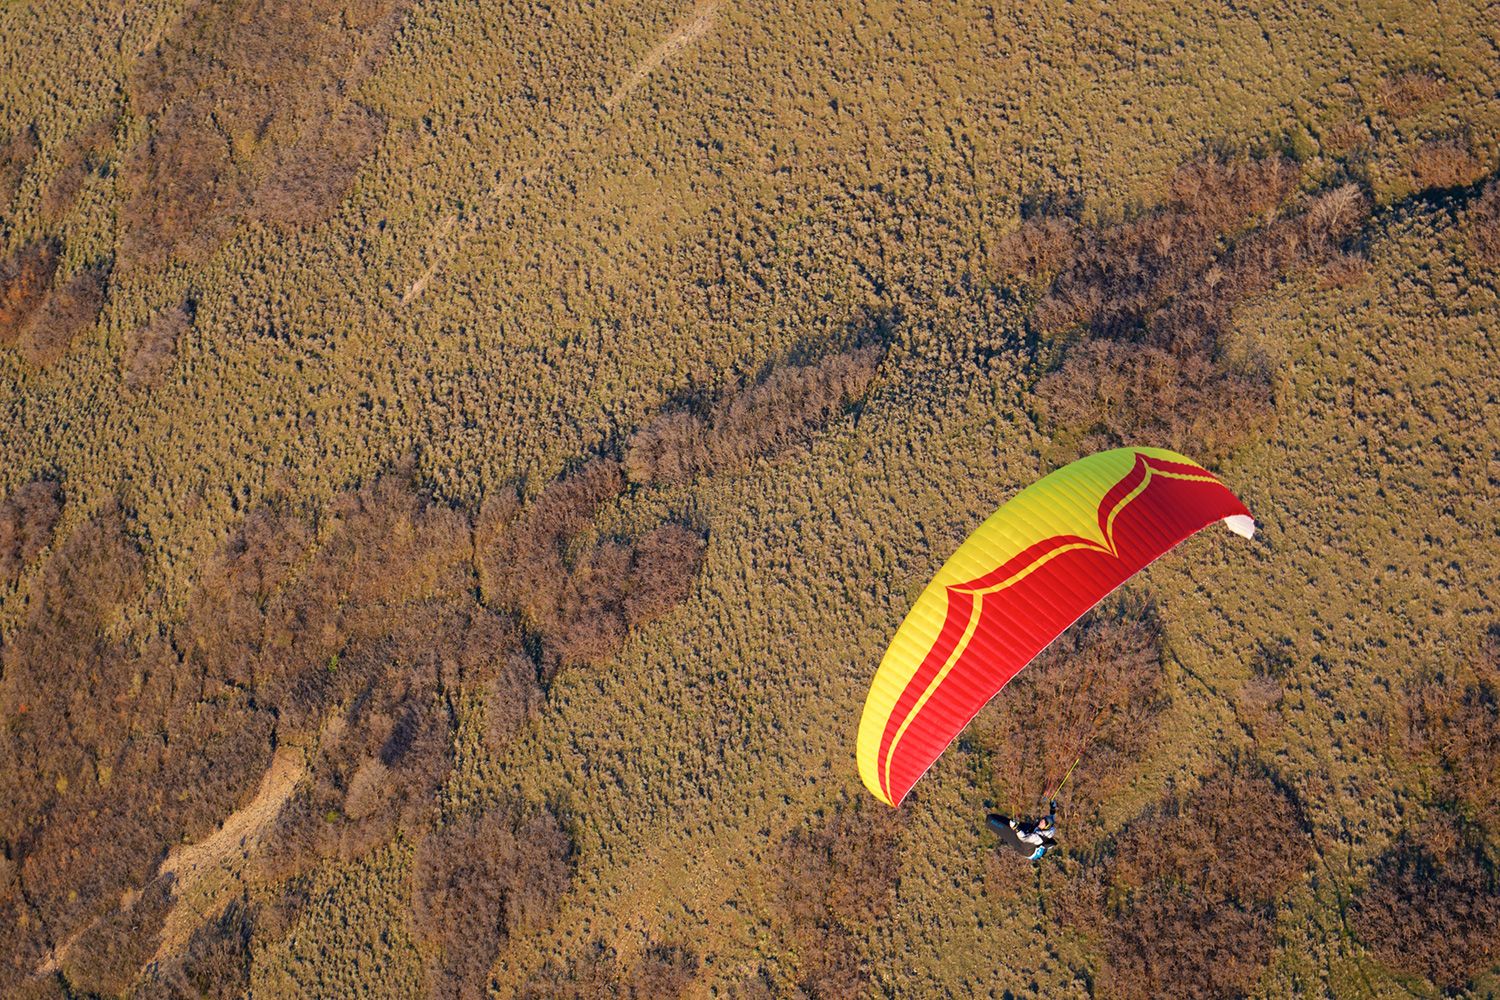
1018, 620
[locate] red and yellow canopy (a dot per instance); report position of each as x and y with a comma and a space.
1039, 563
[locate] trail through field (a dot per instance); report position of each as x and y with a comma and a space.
683, 36
451, 234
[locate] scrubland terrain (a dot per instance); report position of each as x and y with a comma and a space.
462, 464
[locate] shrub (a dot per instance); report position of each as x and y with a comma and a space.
181, 189
660, 576
782, 410
1184, 898
1174, 942
1454, 720
24, 278
252, 120
522, 560
511, 697
481, 881
1410, 91
67, 312
151, 349
110, 954
362, 638
308, 178
581, 603
1445, 162
757, 421
16, 154
666, 971
81, 155
27, 518
1484, 224
82, 821
216, 963
1152, 302
1038, 250
1432, 907
835, 878
23, 943
1106, 394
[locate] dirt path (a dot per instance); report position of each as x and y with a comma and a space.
680, 38
202, 872
450, 236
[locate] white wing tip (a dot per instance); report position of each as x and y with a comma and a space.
1241, 524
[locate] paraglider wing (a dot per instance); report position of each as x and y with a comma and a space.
1042, 560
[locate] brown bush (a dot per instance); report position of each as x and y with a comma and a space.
1345, 270
522, 553
68, 311
1237, 836
1106, 394
1445, 162
1347, 137
615, 587
27, 518
16, 154
673, 448
307, 179
252, 120
1038, 250
1332, 217
1176, 943
1454, 720
835, 879
511, 697
215, 964
581, 603
150, 350
1410, 91
1484, 224
758, 421
182, 189
481, 881
357, 639
23, 944
81, 155
1184, 898
1153, 300
363, 640
122, 747
105, 835
1120, 276
269, 620
767, 418
93, 572
24, 278
665, 970
110, 954
661, 573
87, 815
1432, 907
1094, 695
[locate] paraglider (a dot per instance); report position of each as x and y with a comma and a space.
1030, 839
1033, 568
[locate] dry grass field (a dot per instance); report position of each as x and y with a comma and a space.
461, 464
